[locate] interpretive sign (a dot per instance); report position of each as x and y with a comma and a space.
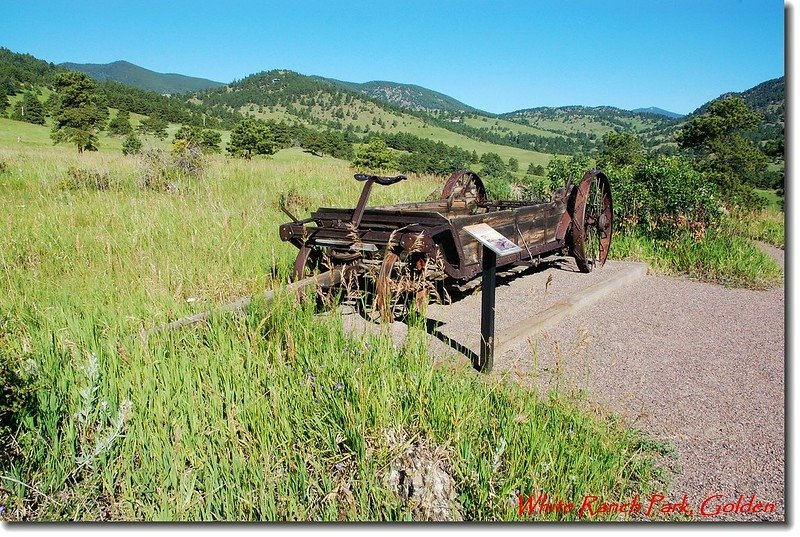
491, 238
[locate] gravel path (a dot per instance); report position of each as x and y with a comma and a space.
696, 365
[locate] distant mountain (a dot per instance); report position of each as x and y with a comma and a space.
586, 119
658, 112
407, 96
767, 98
139, 77
386, 108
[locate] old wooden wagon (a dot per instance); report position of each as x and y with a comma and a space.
409, 249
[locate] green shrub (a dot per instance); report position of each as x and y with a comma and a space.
664, 197
496, 188
167, 171
132, 145
85, 179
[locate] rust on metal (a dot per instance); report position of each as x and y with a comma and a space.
425, 242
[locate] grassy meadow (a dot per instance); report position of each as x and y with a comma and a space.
275, 415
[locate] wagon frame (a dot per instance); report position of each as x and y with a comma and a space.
423, 242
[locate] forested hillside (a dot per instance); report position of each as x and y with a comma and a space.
25, 74
420, 130
407, 96
139, 77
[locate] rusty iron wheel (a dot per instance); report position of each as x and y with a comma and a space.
307, 262
465, 185
592, 221
400, 282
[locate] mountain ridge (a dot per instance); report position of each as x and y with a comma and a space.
657, 111
140, 77
383, 107
412, 97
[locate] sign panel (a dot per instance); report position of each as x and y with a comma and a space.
492, 239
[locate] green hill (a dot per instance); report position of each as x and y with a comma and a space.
21, 73
769, 100
139, 77
378, 107
407, 96
284, 95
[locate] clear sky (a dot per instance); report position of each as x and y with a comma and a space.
498, 55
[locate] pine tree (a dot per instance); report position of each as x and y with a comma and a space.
132, 145
251, 137
121, 124
29, 109
155, 125
722, 151
78, 113
375, 156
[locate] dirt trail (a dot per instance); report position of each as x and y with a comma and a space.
697, 365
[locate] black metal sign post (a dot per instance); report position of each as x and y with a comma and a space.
493, 244
488, 284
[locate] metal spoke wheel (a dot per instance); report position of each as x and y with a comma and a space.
592, 217
401, 282
307, 262
466, 186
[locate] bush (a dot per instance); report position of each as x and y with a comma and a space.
558, 171
496, 188
166, 171
206, 139
535, 188
85, 179
132, 145
663, 197
375, 156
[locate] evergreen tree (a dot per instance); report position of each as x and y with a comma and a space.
728, 158
29, 109
207, 140
493, 166
210, 141
620, 149
535, 169
374, 156
314, 142
132, 145
121, 124
251, 137
155, 125
3, 101
336, 145
78, 113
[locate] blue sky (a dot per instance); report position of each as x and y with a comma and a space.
498, 56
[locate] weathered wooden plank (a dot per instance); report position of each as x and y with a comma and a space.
326, 279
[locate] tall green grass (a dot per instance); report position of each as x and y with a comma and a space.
276, 415
723, 255
281, 416
768, 225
